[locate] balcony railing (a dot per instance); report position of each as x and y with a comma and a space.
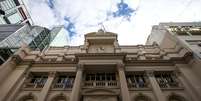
33, 85
107, 84
138, 86
169, 85
63, 86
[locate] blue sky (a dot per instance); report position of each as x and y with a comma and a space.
130, 19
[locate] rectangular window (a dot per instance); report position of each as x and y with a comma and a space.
100, 79
16, 2
14, 18
63, 81
36, 80
166, 79
137, 80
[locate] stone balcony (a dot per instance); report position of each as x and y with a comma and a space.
100, 84
62, 86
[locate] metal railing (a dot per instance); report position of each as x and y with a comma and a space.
63, 85
108, 84
34, 85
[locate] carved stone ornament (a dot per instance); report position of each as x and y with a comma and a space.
80, 66
26, 74
120, 66
177, 71
52, 74
150, 73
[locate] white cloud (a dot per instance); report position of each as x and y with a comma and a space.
40, 13
86, 14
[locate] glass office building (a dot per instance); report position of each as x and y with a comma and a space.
13, 36
14, 12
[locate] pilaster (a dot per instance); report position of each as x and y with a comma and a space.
156, 88
47, 86
123, 83
18, 86
75, 94
7, 67
11, 82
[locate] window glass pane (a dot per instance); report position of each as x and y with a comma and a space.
15, 18
2, 20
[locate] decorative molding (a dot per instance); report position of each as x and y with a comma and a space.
80, 67
120, 66
150, 73
175, 96
26, 74
141, 96
52, 74
177, 71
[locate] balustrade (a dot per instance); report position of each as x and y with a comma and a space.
109, 84
137, 80
167, 79
36, 81
63, 82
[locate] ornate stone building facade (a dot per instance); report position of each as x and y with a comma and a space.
100, 70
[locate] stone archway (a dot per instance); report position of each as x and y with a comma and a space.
28, 97
142, 97
59, 97
100, 95
176, 97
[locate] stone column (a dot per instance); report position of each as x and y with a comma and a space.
156, 88
123, 83
13, 83
7, 67
75, 94
47, 86
18, 86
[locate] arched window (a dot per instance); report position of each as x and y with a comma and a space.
142, 97
176, 98
27, 98
59, 98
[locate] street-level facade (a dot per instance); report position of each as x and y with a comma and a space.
100, 70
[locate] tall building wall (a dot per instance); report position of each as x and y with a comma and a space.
14, 12
101, 69
61, 36
187, 34
183, 34
13, 36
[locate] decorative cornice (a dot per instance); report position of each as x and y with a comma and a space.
139, 55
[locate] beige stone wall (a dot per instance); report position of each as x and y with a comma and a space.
111, 57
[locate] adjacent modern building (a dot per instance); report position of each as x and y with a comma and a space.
62, 37
101, 70
14, 12
13, 36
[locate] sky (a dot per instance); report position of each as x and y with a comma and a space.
132, 20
